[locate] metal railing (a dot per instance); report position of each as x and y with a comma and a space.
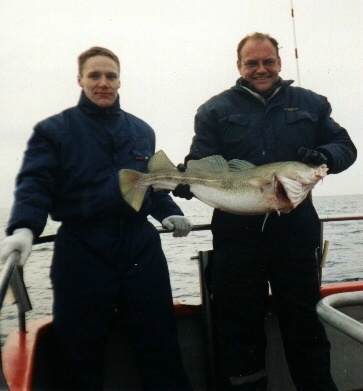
11, 278
327, 310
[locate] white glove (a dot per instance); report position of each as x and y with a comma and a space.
21, 240
180, 224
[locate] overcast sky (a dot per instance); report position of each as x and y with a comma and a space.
175, 54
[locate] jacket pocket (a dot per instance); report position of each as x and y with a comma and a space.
300, 116
234, 127
300, 129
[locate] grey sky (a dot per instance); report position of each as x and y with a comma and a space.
175, 54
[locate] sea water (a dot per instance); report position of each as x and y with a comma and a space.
344, 261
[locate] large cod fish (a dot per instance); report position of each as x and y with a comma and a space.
236, 186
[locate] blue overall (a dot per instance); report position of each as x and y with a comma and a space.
106, 255
108, 264
241, 124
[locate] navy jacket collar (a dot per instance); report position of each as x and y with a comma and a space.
267, 94
90, 108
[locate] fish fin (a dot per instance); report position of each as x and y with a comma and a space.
239, 165
159, 161
294, 190
259, 182
214, 163
131, 192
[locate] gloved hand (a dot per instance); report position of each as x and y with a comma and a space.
21, 240
181, 167
182, 191
312, 156
180, 224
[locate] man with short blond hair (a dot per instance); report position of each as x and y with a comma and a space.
106, 255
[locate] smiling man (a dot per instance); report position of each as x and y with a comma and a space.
106, 256
259, 62
264, 119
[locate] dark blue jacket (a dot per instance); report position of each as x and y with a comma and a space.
70, 168
240, 124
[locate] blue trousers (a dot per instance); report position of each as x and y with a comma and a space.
246, 260
108, 264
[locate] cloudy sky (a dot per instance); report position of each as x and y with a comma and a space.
175, 54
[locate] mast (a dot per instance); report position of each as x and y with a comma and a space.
295, 42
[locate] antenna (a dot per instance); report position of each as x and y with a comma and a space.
295, 41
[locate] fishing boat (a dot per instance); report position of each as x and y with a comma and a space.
28, 362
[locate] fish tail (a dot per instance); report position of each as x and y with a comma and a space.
132, 193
